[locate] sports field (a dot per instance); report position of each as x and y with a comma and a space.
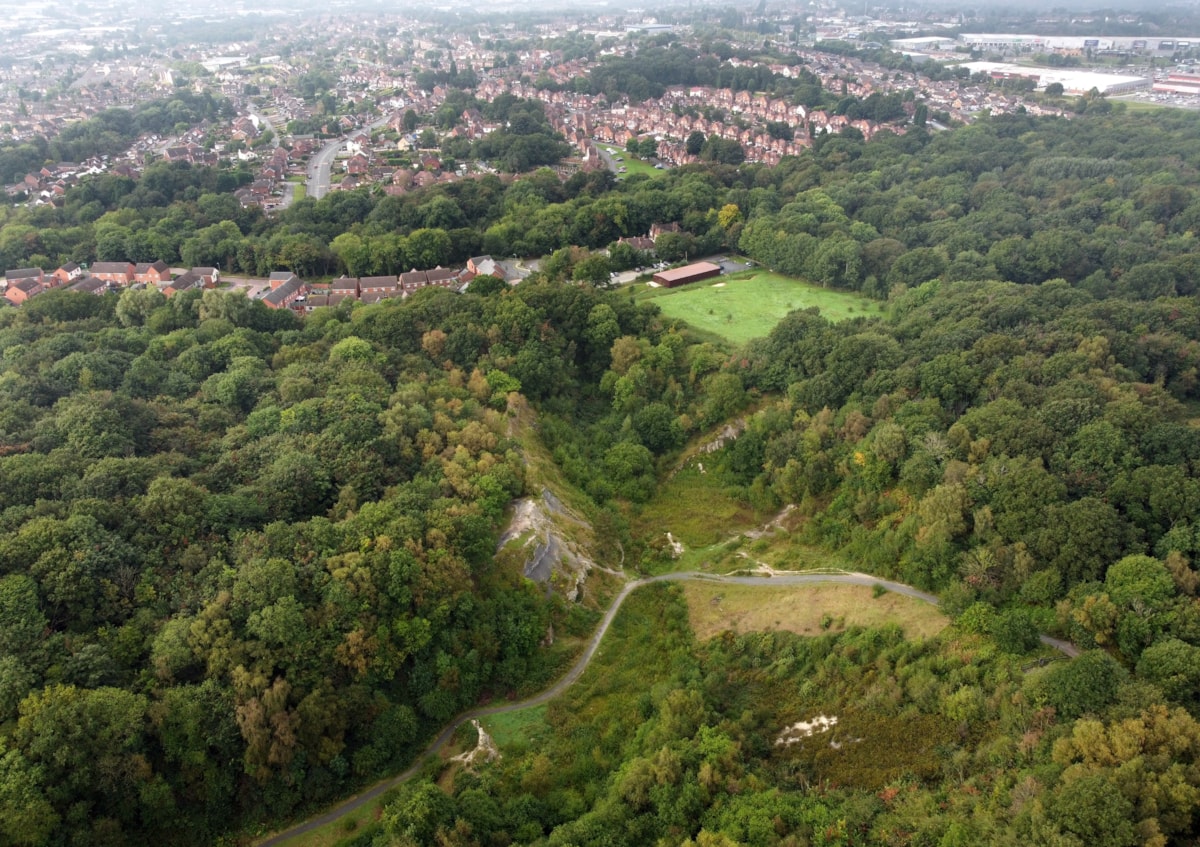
748, 305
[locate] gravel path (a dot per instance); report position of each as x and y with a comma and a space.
777, 579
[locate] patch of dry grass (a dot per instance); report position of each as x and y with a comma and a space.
806, 610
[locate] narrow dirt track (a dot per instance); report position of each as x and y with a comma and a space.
355, 802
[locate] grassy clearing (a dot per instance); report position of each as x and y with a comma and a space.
720, 533
747, 305
1147, 106
696, 510
805, 610
515, 728
632, 164
299, 192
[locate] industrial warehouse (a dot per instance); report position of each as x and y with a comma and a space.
1073, 81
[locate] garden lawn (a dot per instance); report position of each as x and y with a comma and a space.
749, 304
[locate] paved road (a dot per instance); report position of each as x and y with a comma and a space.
576, 671
608, 159
253, 287
321, 164
267, 126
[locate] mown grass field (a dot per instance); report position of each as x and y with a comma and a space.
747, 305
805, 610
632, 164
1144, 105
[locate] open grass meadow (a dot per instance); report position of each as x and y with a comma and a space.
748, 305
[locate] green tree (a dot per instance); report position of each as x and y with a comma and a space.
419, 813
1174, 666
1095, 811
594, 270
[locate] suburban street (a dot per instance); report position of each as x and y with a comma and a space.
319, 167
321, 164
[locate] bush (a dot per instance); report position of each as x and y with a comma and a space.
1014, 631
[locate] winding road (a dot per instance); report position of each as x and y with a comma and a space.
777, 579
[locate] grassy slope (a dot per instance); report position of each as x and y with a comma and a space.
749, 304
516, 728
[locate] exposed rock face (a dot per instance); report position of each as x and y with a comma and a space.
728, 433
485, 749
555, 542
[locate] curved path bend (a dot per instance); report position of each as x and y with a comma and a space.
776, 579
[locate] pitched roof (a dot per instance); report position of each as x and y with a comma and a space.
110, 267
381, 282
279, 296
185, 281
89, 285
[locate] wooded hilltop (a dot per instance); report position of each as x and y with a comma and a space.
248, 561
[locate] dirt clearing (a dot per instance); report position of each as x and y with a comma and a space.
806, 610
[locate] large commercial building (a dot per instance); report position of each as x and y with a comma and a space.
1072, 81
1179, 84
688, 273
1012, 43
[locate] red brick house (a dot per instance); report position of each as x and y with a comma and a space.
210, 277
21, 290
285, 294
152, 273
184, 282
346, 286
118, 272
442, 276
68, 273
378, 285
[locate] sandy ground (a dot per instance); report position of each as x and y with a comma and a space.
485, 749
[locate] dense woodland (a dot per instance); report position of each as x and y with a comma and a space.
246, 562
